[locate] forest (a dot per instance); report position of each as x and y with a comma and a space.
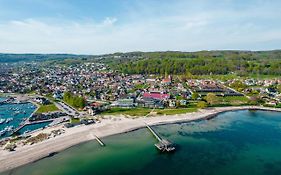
204, 63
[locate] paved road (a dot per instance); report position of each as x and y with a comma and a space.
67, 109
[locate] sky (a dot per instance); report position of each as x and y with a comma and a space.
108, 26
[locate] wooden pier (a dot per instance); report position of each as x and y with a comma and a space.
163, 145
99, 140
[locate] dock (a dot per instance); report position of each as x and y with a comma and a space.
99, 140
163, 144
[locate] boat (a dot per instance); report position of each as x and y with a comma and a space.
2, 121
9, 128
9, 120
26, 132
3, 132
16, 113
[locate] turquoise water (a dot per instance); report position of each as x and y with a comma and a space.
33, 127
18, 112
234, 143
2, 99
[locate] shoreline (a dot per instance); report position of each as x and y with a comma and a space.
112, 125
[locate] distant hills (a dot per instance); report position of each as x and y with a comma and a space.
11, 58
124, 57
171, 62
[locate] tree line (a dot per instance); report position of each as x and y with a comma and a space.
205, 63
74, 100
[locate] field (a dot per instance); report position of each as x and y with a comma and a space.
145, 111
47, 108
175, 111
233, 100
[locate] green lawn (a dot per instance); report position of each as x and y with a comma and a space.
74, 120
175, 111
127, 111
233, 100
47, 108
145, 111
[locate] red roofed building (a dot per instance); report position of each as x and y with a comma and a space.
156, 95
167, 81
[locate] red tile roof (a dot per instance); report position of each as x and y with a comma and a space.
156, 95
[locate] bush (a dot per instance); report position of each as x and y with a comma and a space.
201, 104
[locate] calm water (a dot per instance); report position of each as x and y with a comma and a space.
19, 112
234, 143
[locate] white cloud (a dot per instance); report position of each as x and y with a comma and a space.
109, 21
186, 31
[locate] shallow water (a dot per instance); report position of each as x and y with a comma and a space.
234, 143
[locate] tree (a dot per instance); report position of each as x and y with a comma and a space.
238, 85
201, 104
212, 98
195, 95
74, 100
279, 88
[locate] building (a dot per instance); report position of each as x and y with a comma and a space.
156, 95
124, 103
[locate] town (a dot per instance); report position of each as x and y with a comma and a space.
79, 94
102, 89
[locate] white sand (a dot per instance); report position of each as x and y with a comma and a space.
118, 124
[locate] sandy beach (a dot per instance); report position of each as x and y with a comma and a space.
109, 126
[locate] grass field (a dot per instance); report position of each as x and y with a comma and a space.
47, 108
145, 111
74, 120
175, 111
127, 111
233, 100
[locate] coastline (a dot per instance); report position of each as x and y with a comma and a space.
110, 126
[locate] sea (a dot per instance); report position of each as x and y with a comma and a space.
233, 143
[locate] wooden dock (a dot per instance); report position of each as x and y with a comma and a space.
99, 140
163, 145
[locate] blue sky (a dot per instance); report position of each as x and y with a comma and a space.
107, 26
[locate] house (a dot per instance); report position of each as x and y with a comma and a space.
58, 95
172, 103
156, 95
167, 81
125, 103
183, 102
150, 103
96, 107
42, 100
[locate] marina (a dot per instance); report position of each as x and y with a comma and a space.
13, 115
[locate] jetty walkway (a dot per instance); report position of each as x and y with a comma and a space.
163, 145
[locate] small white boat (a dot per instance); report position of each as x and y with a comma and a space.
26, 132
9, 120
2, 121
3, 132
9, 128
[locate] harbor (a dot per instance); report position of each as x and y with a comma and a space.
13, 114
